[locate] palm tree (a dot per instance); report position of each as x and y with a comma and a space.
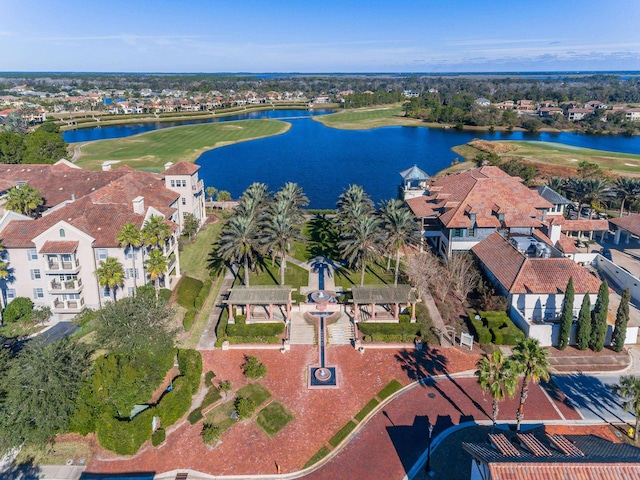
26, 200
155, 232
130, 237
531, 360
353, 203
557, 184
361, 242
626, 188
238, 243
280, 231
629, 390
400, 229
496, 375
292, 198
253, 201
594, 190
156, 266
110, 274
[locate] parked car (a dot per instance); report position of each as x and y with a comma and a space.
585, 211
606, 253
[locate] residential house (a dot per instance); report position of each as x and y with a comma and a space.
576, 114
632, 114
458, 211
53, 258
595, 104
483, 102
548, 112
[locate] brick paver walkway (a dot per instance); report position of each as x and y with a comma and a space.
386, 447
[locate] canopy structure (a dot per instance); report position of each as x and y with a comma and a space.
261, 296
414, 174
366, 299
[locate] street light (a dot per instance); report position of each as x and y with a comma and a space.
427, 467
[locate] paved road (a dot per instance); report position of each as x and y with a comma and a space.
57, 332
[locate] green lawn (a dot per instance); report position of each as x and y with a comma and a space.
375, 274
320, 454
193, 257
270, 275
255, 392
221, 415
342, 434
273, 418
151, 150
367, 118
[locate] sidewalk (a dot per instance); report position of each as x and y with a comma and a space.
208, 338
572, 360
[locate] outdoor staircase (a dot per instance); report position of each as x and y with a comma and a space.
341, 332
302, 333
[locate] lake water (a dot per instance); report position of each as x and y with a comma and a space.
324, 161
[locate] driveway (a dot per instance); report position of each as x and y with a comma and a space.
592, 396
57, 332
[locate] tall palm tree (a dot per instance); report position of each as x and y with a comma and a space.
626, 188
594, 191
557, 184
531, 360
496, 375
353, 203
4, 274
400, 229
291, 197
629, 390
110, 273
280, 231
238, 243
26, 200
130, 237
253, 201
156, 267
361, 242
155, 232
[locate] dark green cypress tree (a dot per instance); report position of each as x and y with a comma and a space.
622, 317
583, 334
599, 318
567, 316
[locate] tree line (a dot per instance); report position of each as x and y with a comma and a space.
42, 145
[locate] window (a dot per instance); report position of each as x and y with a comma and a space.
184, 183
102, 254
458, 232
11, 293
184, 201
131, 291
62, 234
105, 292
129, 273
38, 293
471, 232
35, 274
173, 183
32, 254
131, 254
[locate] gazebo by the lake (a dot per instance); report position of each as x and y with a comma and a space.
261, 303
383, 303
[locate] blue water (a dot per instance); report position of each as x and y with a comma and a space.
324, 161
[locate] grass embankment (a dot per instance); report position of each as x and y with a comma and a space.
367, 118
151, 150
557, 158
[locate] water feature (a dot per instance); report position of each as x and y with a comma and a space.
324, 161
322, 376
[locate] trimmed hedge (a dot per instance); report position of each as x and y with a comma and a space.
495, 327
255, 330
188, 319
190, 365
402, 332
124, 437
188, 290
208, 377
195, 416
158, 437
202, 295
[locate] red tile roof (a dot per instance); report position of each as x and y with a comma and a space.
182, 168
564, 471
485, 191
519, 274
583, 225
630, 223
567, 244
51, 246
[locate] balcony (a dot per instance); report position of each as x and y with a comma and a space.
198, 186
67, 306
68, 286
70, 267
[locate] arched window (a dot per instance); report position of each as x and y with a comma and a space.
62, 234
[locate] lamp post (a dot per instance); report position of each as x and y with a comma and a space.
427, 467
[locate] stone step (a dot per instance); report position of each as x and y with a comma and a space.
302, 333
341, 332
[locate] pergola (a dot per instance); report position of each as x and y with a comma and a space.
265, 296
385, 295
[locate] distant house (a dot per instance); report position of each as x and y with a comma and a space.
632, 114
410, 93
507, 105
577, 114
483, 102
595, 104
548, 112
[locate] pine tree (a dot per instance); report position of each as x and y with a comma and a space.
583, 333
567, 316
599, 318
622, 317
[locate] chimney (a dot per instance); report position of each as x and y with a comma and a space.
73, 197
168, 165
106, 166
138, 205
554, 233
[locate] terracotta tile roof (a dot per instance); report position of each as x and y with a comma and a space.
566, 244
483, 191
583, 225
6, 184
500, 257
132, 184
519, 274
556, 471
630, 223
51, 246
182, 168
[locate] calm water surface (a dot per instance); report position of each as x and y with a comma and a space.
324, 161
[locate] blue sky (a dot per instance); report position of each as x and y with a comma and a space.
321, 36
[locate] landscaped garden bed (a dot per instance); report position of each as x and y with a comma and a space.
495, 327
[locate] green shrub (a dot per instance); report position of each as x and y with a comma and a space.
124, 437
19, 308
342, 434
175, 403
158, 437
221, 328
202, 296
208, 377
188, 319
195, 416
480, 331
409, 330
255, 330
187, 292
496, 327
225, 386
392, 387
249, 340
253, 367
212, 396
245, 407
165, 294
190, 364
211, 433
